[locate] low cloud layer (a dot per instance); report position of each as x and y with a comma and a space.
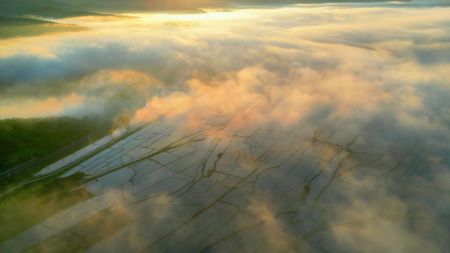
378, 70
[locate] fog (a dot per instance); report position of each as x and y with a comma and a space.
363, 90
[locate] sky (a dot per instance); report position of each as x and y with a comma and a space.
285, 66
66, 8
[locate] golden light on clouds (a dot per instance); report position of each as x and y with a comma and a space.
207, 15
31, 108
308, 118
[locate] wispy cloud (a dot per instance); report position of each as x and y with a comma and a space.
291, 67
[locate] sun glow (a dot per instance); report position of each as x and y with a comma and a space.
205, 15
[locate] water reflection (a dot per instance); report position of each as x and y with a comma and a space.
303, 143
212, 189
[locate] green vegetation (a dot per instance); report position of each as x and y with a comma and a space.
33, 199
83, 235
24, 140
30, 145
4, 21
41, 8
29, 207
21, 27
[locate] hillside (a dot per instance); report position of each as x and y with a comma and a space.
22, 140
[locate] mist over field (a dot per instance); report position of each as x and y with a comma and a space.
253, 126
